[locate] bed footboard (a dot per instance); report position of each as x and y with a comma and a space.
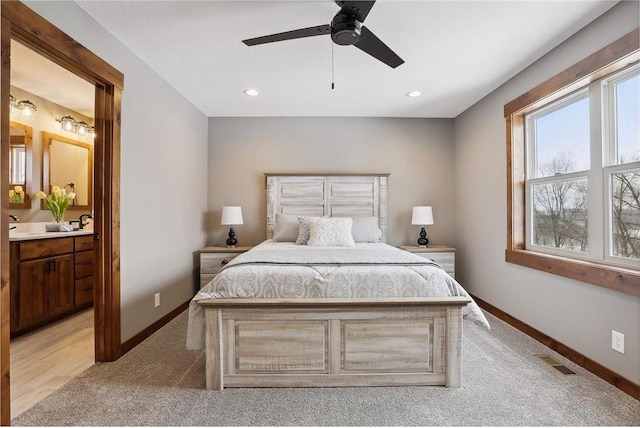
332, 342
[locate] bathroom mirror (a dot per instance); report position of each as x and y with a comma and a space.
20, 164
68, 164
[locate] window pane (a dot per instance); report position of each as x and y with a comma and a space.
562, 140
560, 214
628, 125
625, 214
17, 163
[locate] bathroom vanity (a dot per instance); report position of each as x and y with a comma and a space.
52, 276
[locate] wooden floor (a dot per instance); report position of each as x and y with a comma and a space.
46, 359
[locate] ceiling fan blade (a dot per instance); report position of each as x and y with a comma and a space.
360, 9
375, 47
288, 35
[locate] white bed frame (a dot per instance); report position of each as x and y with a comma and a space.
332, 342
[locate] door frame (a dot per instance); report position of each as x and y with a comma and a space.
21, 23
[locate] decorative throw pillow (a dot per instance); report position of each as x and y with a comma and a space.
330, 231
366, 229
303, 230
286, 229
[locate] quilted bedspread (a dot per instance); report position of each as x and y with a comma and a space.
286, 270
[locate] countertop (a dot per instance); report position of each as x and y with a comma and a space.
30, 231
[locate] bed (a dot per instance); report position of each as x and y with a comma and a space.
359, 314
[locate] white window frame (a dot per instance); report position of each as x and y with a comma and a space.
603, 159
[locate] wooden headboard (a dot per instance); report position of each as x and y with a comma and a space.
330, 195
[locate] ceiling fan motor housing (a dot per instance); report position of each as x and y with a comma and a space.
345, 30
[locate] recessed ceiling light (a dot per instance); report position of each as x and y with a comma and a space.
414, 94
251, 92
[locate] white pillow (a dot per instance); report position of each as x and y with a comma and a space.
366, 229
330, 231
286, 229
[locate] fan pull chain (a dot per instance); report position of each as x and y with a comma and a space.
332, 73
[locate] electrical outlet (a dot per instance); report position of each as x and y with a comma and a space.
617, 341
156, 300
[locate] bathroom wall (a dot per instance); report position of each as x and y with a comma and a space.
44, 119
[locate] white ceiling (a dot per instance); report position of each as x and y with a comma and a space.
455, 52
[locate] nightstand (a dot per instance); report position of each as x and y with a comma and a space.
213, 258
444, 256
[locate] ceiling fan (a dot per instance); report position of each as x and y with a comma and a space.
346, 29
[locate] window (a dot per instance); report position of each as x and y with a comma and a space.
562, 192
574, 171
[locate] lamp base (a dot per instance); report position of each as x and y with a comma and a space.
231, 241
422, 240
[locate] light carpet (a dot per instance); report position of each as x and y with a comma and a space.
504, 384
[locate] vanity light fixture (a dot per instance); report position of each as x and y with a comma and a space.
251, 92
69, 124
13, 104
26, 106
82, 128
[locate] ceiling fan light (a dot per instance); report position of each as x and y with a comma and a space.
414, 94
251, 92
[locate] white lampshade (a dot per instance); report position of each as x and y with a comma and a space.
231, 215
422, 216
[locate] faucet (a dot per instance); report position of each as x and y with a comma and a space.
82, 223
14, 218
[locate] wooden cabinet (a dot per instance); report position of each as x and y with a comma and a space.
46, 275
212, 259
84, 270
444, 256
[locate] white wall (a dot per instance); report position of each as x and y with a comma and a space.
163, 176
418, 153
577, 314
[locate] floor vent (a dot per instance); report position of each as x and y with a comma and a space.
556, 364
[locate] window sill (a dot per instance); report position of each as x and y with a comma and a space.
614, 278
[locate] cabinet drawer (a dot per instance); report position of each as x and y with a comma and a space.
84, 264
84, 290
45, 248
84, 243
445, 259
211, 263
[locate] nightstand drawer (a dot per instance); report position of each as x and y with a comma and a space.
444, 256
212, 259
446, 260
211, 263
206, 278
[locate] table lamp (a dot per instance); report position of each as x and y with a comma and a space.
422, 216
231, 216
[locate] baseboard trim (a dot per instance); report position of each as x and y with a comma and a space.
594, 367
140, 337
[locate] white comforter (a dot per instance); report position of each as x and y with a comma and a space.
286, 270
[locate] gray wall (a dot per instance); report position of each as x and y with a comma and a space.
163, 176
418, 153
577, 314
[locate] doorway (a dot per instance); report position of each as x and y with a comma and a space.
22, 24
52, 334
